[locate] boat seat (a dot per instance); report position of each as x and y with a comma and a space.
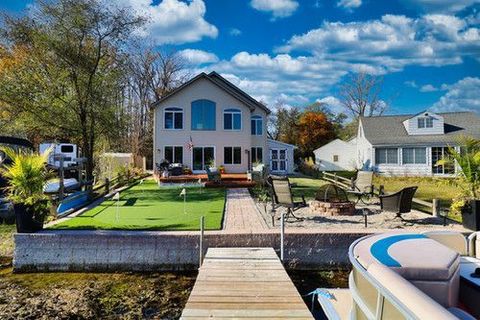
426, 263
454, 240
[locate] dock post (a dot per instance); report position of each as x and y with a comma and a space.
282, 235
107, 186
202, 230
436, 208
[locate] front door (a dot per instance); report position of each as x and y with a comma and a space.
202, 157
278, 160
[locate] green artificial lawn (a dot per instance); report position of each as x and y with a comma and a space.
148, 207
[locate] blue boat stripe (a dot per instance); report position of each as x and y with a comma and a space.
380, 248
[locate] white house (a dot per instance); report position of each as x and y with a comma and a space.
208, 120
337, 155
412, 144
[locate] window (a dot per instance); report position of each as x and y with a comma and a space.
232, 119
335, 158
174, 154
429, 122
386, 156
257, 155
173, 118
414, 156
421, 123
203, 115
232, 155
66, 149
257, 125
425, 122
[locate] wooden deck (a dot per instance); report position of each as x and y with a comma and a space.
244, 283
229, 180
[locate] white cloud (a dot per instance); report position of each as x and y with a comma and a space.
442, 6
278, 8
349, 4
391, 43
194, 56
411, 84
333, 103
174, 21
235, 32
463, 95
428, 88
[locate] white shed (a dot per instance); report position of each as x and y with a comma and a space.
280, 155
336, 155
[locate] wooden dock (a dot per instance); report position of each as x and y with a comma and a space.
244, 283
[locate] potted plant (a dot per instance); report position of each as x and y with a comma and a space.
221, 169
26, 176
468, 201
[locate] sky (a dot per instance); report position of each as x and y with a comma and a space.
297, 52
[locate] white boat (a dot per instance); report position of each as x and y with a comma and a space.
53, 186
410, 276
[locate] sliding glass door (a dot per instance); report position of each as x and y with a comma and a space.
202, 157
439, 153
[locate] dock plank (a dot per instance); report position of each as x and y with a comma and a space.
244, 283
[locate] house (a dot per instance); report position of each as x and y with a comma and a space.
208, 121
412, 144
337, 155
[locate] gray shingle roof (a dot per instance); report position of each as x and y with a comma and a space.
389, 130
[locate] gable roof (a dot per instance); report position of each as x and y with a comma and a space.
223, 84
389, 130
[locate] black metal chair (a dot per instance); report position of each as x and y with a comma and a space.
399, 202
282, 196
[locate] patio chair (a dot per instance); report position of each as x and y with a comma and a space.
282, 196
214, 176
362, 186
399, 202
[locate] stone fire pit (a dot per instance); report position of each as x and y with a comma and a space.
331, 200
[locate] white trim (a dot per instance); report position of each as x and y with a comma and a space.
278, 160
203, 156
173, 146
237, 110
174, 111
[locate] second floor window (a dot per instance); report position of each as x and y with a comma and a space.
232, 119
426, 122
203, 115
257, 125
173, 118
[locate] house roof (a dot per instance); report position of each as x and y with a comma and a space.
389, 130
272, 141
224, 84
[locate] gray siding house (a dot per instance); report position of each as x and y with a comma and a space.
411, 145
210, 121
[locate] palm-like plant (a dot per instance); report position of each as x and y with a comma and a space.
468, 159
26, 176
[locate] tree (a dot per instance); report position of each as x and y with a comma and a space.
151, 75
64, 69
315, 130
337, 119
283, 124
360, 95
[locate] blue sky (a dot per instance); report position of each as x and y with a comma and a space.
297, 52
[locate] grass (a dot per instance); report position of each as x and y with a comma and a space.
147, 207
6, 239
306, 185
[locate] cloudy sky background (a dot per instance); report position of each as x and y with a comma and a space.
297, 52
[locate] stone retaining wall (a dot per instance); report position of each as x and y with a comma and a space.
63, 250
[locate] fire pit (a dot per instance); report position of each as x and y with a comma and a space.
332, 200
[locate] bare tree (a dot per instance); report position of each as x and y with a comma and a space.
360, 95
152, 74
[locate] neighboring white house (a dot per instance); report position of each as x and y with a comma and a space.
337, 155
208, 120
412, 144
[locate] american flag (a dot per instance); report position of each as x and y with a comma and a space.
189, 144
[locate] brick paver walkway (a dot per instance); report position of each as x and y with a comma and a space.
241, 212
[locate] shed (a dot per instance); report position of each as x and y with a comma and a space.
337, 155
281, 158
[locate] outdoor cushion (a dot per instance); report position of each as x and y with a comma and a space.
454, 240
429, 265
